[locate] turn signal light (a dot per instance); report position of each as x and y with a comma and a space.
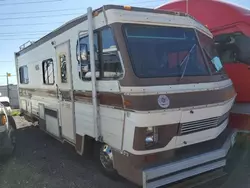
95, 13
3, 120
126, 103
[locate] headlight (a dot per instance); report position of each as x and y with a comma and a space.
154, 137
151, 136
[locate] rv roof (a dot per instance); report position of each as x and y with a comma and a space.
68, 25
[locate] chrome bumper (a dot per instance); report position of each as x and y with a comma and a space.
179, 170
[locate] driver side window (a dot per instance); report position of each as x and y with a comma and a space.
83, 58
107, 61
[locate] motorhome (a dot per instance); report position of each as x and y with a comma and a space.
135, 85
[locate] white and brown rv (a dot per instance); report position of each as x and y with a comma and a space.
145, 87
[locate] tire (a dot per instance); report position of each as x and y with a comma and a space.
13, 139
100, 156
12, 122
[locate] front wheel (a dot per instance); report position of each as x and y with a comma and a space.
104, 157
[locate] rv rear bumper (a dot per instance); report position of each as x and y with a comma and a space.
188, 167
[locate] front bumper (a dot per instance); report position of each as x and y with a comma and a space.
188, 166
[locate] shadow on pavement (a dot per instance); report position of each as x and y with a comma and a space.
40, 161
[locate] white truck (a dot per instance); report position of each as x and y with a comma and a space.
136, 86
7, 127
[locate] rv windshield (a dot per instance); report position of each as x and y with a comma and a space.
158, 51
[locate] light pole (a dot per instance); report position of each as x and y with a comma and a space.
8, 90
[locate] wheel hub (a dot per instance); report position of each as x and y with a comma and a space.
106, 157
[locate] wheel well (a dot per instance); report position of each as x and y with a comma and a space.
89, 145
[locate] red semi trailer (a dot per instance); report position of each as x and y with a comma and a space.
230, 25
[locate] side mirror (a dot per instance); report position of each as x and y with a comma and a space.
83, 52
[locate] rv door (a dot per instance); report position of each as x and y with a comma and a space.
65, 91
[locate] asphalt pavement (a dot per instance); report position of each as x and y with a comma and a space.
41, 161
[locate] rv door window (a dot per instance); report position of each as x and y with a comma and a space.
48, 72
23, 75
63, 68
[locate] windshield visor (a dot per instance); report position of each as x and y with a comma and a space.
160, 51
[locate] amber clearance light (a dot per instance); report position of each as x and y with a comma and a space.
126, 7
3, 120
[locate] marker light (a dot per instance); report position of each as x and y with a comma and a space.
3, 120
126, 7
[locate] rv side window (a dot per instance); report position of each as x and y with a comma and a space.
48, 72
23, 74
108, 65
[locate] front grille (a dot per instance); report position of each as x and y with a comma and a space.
200, 125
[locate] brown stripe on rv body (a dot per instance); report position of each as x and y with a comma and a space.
37, 92
104, 98
180, 100
45, 93
150, 102
130, 79
147, 102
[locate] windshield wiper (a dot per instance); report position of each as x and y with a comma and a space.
186, 59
